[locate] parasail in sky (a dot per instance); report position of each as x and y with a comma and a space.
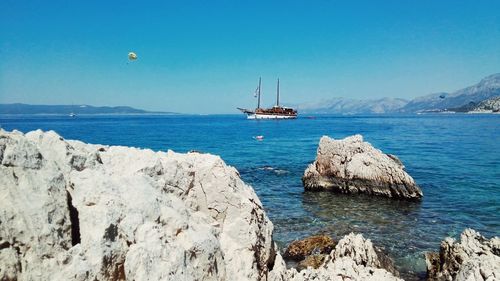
132, 56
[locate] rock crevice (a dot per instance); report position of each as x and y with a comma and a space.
75, 223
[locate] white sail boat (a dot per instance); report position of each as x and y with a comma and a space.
275, 112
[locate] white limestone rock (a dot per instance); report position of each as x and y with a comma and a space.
354, 258
354, 166
472, 258
75, 211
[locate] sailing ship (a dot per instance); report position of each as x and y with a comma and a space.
275, 112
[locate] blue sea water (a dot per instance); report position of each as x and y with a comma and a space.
454, 158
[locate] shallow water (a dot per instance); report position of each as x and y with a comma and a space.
454, 158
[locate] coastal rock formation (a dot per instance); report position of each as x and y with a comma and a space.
317, 244
472, 258
487, 106
354, 258
354, 166
76, 211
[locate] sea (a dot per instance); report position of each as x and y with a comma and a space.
454, 158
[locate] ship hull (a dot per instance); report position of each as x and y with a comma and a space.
270, 116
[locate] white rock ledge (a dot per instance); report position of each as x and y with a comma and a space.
76, 211
351, 165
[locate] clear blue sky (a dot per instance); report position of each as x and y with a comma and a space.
206, 56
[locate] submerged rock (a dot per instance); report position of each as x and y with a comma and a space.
76, 211
300, 249
354, 166
472, 258
314, 261
354, 258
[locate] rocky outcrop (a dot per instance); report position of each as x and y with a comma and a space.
317, 244
354, 166
354, 258
75, 211
487, 106
472, 258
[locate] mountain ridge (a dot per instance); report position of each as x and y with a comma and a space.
487, 88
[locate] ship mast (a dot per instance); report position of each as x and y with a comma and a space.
278, 93
258, 101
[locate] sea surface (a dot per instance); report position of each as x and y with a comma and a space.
454, 158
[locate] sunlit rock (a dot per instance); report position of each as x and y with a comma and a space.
354, 166
354, 258
472, 258
76, 211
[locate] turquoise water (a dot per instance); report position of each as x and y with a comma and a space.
454, 158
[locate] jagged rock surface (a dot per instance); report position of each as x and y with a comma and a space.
75, 211
472, 258
354, 258
354, 166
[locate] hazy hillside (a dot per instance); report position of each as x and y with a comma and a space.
487, 88
20, 108
353, 106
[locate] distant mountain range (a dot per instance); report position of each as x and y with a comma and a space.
20, 108
465, 100
353, 106
487, 88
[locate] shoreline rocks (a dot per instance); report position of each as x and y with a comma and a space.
354, 258
77, 211
353, 166
472, 258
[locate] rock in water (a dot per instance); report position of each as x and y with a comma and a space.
473, 258
76, 211
354, 166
